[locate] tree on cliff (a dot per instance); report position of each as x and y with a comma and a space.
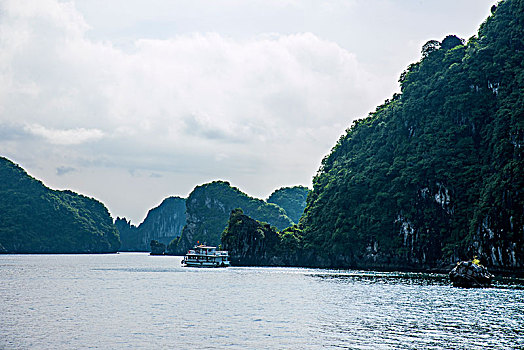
291, 199
436, 174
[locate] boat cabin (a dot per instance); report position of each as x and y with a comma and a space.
206, 256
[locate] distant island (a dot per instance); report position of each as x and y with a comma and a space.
162, 224
36, 219
208, 207
207, 211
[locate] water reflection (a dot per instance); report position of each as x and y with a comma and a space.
416, 310
138, 301
410, 278
368, 277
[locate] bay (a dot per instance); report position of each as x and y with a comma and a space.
137, 301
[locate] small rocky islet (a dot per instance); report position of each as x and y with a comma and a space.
470, 274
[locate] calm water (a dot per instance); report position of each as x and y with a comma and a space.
145, 302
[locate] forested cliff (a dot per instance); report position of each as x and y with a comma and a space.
208, 208
130, 238
291, 199
36, 219
207, 211
165, 222
436, 173
249, 241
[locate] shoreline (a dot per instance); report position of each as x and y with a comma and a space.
498, 272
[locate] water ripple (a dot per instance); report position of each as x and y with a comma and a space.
142, 302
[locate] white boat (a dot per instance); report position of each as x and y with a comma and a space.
206, 256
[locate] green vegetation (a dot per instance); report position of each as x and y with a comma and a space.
249, 242
435, 174
291, 199
208, 208
36, 219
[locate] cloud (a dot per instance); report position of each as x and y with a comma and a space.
195, 93
12, 131
204, 104
65, 136
63, 170
200, 126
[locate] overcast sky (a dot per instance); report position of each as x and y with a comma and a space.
134, 101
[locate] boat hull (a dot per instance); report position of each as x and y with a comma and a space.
205, 263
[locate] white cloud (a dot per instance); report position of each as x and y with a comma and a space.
189, 92
63, 136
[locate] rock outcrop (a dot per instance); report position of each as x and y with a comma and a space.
129, 236
157, 248
470, 274
165, 222
250, 242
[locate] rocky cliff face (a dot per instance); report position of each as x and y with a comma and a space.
208, 208
163, 224
129, 236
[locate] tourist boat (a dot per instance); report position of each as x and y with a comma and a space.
206, 256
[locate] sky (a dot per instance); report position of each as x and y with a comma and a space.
133, 101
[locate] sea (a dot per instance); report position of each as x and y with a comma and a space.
138, 301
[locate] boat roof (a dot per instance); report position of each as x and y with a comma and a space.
203, 246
